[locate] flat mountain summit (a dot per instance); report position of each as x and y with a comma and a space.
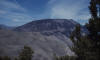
46, 37
64, 26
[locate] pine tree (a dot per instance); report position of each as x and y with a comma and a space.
93, 8
81, 44
87, 47
76, 37
26, 53
94, 28
98, 4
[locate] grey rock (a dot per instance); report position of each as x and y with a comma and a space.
45, 37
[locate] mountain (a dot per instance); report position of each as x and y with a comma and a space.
46, 37
49, 26
5, 27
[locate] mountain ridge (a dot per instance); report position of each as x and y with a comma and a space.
47, 25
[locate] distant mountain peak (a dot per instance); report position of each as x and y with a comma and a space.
5, 27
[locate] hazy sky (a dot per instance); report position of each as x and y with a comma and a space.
19, 12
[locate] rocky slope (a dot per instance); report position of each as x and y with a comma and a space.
46, 37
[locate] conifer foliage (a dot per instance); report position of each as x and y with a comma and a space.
88, 47
26, 53
94, 28
81, 44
